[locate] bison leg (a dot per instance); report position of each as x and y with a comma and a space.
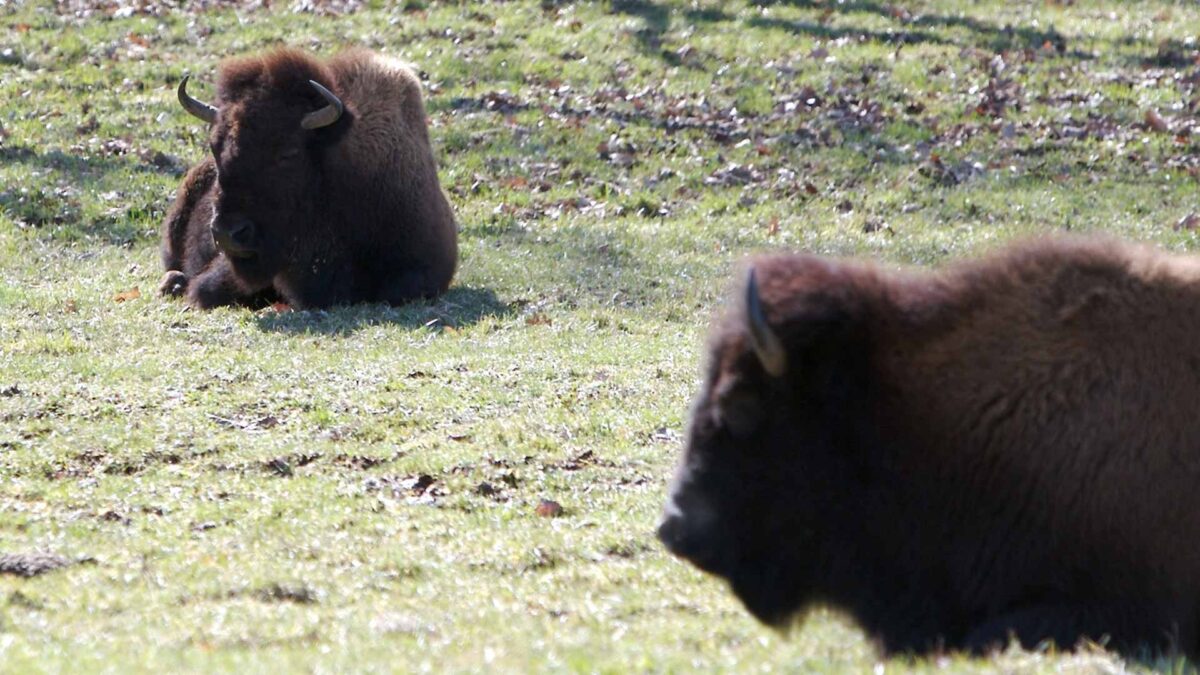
174, 283
405, 288
178, 224
1123, 627
218, 285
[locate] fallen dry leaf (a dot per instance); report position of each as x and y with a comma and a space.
898, 13
549, 509
131, 294
1156, 122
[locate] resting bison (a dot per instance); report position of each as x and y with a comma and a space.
1008, 447
321, 188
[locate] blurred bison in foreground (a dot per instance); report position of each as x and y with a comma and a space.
1008, 447
321, 188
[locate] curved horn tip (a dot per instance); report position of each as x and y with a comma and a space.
195, 107
765, 342
327, 115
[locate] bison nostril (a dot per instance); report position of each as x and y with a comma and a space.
236, 236
668, 530
242, 232
679, 536
695, 533
700, 547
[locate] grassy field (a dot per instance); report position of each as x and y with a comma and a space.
358, 489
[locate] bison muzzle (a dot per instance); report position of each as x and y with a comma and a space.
1006, 448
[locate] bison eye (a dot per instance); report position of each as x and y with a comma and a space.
739, 411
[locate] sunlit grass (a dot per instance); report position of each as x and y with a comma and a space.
357, 489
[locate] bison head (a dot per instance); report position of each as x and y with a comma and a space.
267, 129
757, 491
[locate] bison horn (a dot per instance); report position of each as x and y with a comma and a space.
327, 115
198, 108
766, 344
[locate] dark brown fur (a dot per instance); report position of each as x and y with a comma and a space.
346, 213
1010, 446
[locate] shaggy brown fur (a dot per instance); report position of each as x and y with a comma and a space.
345, 213
1010, 446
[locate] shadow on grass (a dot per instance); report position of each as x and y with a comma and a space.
919, 29
612, 266
88, 166
987, 35
55, 205
621, 263
655, 21
891, 37
460, 306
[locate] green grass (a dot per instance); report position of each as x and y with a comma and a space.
244, 489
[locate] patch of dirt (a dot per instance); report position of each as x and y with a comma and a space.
285, 466
416, 489
117, 9
250, 424
277, 592
92, 461
580, 461
364, 462
627, 550
33, 564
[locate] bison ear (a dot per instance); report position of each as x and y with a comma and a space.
737, 406
763, 339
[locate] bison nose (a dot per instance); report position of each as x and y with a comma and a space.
235, 236
691, 535
671, 532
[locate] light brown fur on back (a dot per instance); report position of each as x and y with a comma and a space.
390, 115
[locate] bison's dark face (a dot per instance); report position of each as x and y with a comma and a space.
755, 486
265, 145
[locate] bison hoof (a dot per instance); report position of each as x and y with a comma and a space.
173, 283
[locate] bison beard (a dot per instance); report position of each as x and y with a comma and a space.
321, 188
1008, 448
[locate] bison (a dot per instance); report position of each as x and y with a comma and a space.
321, 188
1005, 448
